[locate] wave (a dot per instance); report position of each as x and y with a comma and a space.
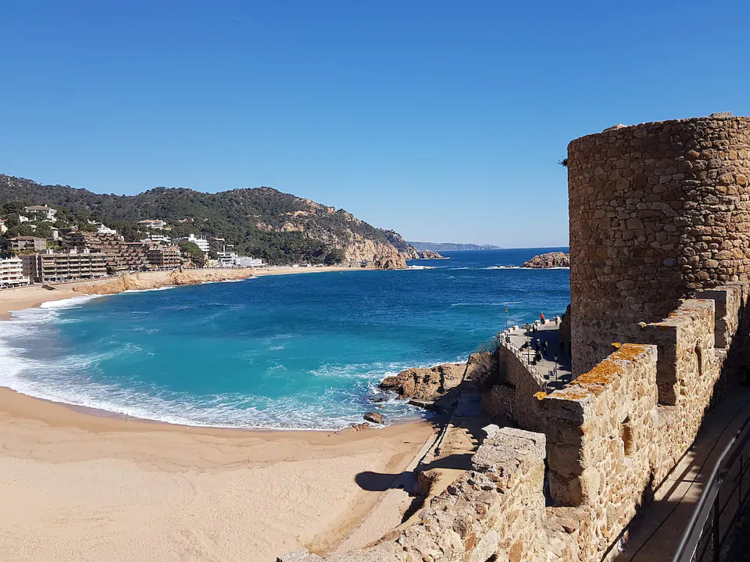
418, 267
523, 268
72, 302
485, 303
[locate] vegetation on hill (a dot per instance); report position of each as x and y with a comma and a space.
449, 246
261, 222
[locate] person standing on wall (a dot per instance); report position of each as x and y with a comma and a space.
541, 317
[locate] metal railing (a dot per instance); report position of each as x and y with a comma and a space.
721, 503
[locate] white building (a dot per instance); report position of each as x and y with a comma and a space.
11, 273
151, 223
157, 239
201, 242
46, 213
246, 261
226, 259
22, 218
101, 229
3, 228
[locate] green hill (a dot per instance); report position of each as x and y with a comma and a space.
261, 222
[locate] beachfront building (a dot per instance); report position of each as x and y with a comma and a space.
226, 259
11, 273
152, 223
247, 261
164, 257
121, 255
41, 212
23, 243
49, 267
201, 242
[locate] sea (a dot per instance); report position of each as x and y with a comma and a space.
278, 352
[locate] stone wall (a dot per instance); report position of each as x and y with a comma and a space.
496, 509
657, 211
660, 251
511, 399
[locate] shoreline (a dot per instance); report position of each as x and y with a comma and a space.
86, 484
83, 487
28, 297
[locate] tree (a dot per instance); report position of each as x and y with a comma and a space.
334, 257
191, 251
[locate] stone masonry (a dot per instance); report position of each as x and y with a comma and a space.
660, 283
657, 211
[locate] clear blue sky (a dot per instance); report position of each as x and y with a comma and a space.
442, 119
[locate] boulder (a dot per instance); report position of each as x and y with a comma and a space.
425, 384
551, 259
374, 417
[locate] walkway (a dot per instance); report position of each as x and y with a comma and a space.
657, 533
555, 366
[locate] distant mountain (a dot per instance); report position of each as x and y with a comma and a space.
260, 222
449, 246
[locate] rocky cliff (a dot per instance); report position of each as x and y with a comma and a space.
551, 259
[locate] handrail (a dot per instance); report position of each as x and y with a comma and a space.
694, 530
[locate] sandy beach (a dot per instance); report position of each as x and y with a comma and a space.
77, 486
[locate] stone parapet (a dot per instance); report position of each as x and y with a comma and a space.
495, 509
512, 398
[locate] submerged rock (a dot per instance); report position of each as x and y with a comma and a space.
374, 417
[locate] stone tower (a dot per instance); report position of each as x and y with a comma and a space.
657, 211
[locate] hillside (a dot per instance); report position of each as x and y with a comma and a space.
261, 222
448, 246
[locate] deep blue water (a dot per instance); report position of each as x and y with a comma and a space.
288, 351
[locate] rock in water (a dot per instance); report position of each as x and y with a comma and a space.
374, 417
425, 384
552, 259
393, 261
430, 255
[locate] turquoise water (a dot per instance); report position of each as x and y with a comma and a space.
288, 351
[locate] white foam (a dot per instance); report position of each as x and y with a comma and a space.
72, 302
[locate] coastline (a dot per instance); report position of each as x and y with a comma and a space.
33, 296
80, 484
83, 487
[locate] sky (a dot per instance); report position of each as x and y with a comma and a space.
444, 120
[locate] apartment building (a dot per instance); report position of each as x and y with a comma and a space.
164, 257
201, 242
150, 223
11, 273
121, 256
50, 267
21, 243
41, 212
157, 239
